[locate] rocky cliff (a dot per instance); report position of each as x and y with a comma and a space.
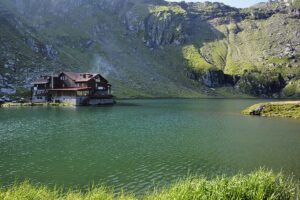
152, 48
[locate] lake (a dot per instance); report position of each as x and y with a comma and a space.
139, 144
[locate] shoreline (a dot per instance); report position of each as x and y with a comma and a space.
15, 105
248, 111
285, 109
233, 98
19, 105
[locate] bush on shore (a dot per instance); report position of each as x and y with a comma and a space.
258, 185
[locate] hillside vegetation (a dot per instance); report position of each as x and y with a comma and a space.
257, 185
289, 109
153, 48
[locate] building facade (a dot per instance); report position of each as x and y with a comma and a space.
73, 88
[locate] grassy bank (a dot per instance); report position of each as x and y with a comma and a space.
290, 109
257, 185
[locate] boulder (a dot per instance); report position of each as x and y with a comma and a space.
258, 110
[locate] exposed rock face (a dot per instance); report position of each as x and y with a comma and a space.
252, 84
213, 78
163, 29
133, 22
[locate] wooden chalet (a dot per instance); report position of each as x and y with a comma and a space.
40, 89
73, 88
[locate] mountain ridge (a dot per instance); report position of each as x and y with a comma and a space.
152, 48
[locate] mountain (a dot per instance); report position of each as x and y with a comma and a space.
153, 48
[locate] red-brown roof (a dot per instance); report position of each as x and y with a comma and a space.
38, 82
81, 77
42, 80
71, 89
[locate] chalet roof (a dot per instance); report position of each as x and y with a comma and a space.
81, 77
42, 80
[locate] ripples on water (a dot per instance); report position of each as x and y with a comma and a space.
139, 144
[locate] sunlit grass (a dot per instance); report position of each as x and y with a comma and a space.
261, 184
289, 109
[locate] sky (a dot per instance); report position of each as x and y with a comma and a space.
234, 3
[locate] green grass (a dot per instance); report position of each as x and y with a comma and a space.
173, 9
296, 4
289, 109
292, 89
235, 48
194, 59
258, 185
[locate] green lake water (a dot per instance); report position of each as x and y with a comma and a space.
138, 144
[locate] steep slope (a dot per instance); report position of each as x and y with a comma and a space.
151, 48
21, 54
92, 37
264, 53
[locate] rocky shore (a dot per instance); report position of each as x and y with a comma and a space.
289, 109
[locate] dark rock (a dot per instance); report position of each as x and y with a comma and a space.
261, 85
6, 99
164, 28
89, 43
258, 14
51, 52
257, 111
213, 78
32, 44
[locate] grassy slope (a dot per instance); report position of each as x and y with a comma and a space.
253, 45
258, 48
12, 45
289, 109
137, 71
292, 89
133, 69
257, 185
